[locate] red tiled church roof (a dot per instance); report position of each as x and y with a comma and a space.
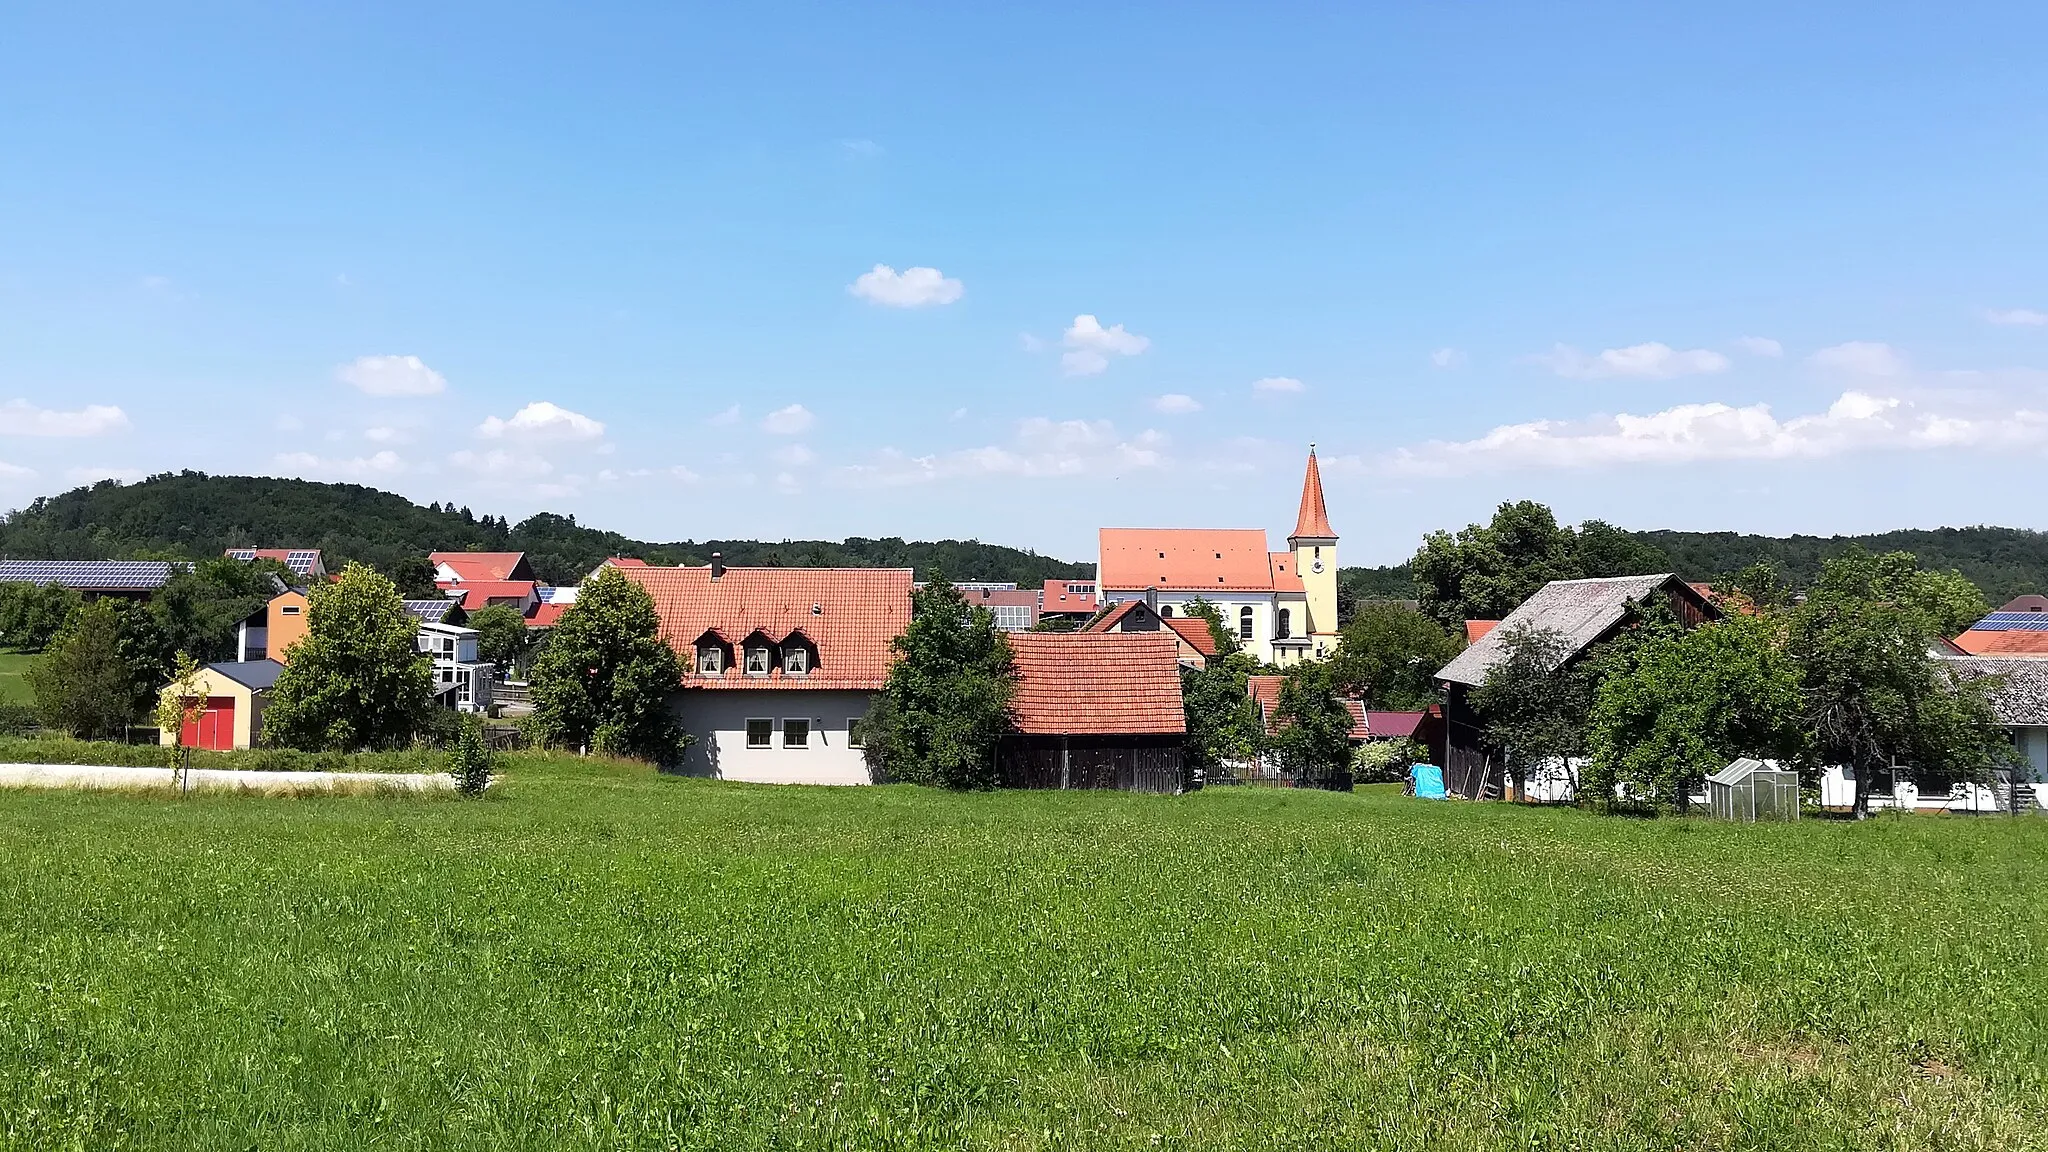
848, 614
1097, 683
1195, 559
1314, 519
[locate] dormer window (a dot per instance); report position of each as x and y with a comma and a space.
796, 661
757, 660
710, 660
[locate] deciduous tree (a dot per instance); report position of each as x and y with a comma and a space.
606, 680
1534, 706
1223, 722
947, 699
502, 636
1389, 654
1483, 572
1313, 726
81, 683
357, 680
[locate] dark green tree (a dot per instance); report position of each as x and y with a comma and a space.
1223, 721
1483, 572
1872, 693
31, 615
1604, 550
1535, 704
606, 680
80, 682
1312, 727
947, 699
1389, 654
502, 636
472, 761
358, 679
1220, 633
1685, 704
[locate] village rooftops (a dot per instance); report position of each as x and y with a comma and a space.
841, 619
304, 562
2021, 696
1192, 560
1067, 597
1192, 629
255, 675
1581, 611
429, 611
1097, 683
475, 567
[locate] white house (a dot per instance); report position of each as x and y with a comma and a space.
461, 679
2021, 704
1281, 605
780, 664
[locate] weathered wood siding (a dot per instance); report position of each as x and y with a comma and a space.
1125, 763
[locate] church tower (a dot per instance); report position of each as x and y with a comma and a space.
1315, 558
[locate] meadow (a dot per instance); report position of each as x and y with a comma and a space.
596, 957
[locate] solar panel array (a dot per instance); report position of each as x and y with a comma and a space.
89, 575
302, 561
2012, 622
429, 611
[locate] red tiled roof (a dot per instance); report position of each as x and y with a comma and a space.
849, 615
1266, 691
1476, 630
1196, 559
1097, 683
625, 562
546, 615
477, 566
1314, 519
477, 594
1195, 632
1056, 598
1285, 578
1393, 723
1987, 642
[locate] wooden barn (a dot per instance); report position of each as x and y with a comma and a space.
1096, 710
1584, 612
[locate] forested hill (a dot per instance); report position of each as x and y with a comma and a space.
193, 515
2003, 562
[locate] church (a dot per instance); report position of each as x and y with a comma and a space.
1281, 606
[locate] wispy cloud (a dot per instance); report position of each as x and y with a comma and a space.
793, 455
794, 420
21, 418
1176, 403
910, 288
391, 376
725, 418
1860, 358
1688, 433
1652, 361
542, 421
1760, 346
306, 464
1041, 447
1271, 384
2022, 317
1447, 358
1090, 345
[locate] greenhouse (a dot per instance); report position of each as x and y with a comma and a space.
1751, 790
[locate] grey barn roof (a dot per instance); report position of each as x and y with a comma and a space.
258, 675
1579, 610
89, 575
2022, 700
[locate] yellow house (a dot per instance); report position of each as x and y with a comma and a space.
237, 692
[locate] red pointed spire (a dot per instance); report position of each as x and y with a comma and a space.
1314, 521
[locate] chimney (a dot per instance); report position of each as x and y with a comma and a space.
1152, 600
717, 565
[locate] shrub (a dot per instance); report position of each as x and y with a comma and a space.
471, 762
1385, 761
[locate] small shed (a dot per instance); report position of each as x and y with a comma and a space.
1750, 790
1096, 710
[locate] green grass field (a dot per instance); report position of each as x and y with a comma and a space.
598, 958
14, 678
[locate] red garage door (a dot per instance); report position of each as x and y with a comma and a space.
215, 728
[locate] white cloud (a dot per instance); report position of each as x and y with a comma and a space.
1652, 361
1760, 346
386, 463
500, 464
21, 418
1176, 403
787, 484
15, 471
91, 475
391, 376
1690, 433
1278, 384
1091, 345
726, 418
542, 421
910, 288
794, 420
386, 435
1860, 358
1447, 358
2024, 317
288, 423
1040, 448
793, 455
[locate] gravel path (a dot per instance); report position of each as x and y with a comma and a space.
103, 776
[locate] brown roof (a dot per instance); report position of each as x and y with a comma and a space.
2028, 602
1097, 683
848, 614
479, 593
1314, 519
2000, 642
1193, 559
1476, 630
475, 566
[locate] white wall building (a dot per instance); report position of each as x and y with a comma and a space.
461, 680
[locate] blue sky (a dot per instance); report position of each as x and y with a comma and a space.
1019, 272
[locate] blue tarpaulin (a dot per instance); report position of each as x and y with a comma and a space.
1429, 781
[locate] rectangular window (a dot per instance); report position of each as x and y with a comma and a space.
757, 661
796, 733
796, 661
288, 610
760, 733
1012, 617
854, 738
711, 660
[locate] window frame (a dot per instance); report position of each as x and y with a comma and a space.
796, 653
289, 609
767, 659
1247, 622
767, 733
1283, 625
804, 724
854, 739
714, 653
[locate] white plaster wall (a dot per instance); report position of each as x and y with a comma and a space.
1262, 604
718, 719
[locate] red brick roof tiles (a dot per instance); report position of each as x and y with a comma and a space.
1989, 642
1056, 598
1192, 559
1476, 630
849, 615
1097, 683
480, 566
1313, 520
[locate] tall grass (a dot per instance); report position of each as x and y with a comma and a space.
593, 957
